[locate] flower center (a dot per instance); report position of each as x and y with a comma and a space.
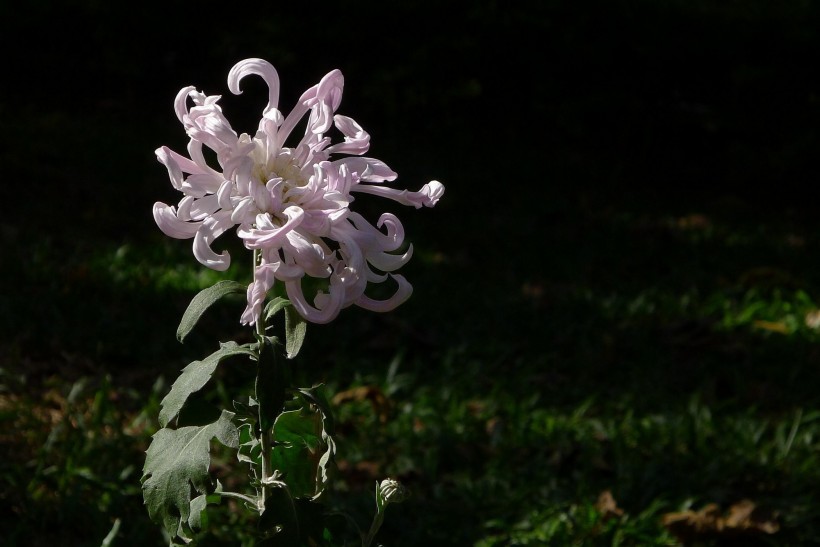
280, 175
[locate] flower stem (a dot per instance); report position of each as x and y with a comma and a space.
247, 499
265, 433
374, 528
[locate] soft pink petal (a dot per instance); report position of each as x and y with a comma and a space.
210, 229
330, 308
166, 218
180, 102
403, 292
357, 140
259, 67
256, 238
428, 196
367, 169
263, 279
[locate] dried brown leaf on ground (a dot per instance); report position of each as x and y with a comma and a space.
742, 520
607, 507
772, 326
381, 404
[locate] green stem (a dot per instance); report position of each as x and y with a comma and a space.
236, 495
265, 435
374, 528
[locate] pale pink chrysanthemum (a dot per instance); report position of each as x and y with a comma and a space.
291, 204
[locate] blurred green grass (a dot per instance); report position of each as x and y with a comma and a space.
618, 292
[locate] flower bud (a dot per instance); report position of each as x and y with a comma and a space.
392, 491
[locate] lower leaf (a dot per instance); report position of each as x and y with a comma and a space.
176, 462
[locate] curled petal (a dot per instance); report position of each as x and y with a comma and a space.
265, 276
263, 279
367, 169
199, 185
238, 168
195, 151
326, 102
180, 102
380, 241
223, 195
330, 88
330, 307
395, 230
166, 218
208, 125
428, 196
166, 158
244, 211
184, 210
310, 255
283, 271
338, 178
185, 164
260, 195
290, 122
401, 295
270, 235
433, 190
204, 207
262, 68
357, 140
211, 228
388, 262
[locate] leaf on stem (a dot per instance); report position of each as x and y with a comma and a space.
304, 449
275, 306
202, 301
194, 377
176, 461
295, 330
295, 324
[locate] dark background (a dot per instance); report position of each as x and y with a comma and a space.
529, 114
562, 131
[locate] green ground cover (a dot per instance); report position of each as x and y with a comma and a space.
615, 318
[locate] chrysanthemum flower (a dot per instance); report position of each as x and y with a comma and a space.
291, 204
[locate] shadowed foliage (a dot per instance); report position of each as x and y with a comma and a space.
617, 294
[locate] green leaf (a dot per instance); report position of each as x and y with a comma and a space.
176, 461
250, 449
295, 324
194, 377
295, 329
198, 518
303, 448
203, 301
316, 396
275, 306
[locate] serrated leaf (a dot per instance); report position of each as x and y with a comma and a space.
194, 377
295, 330
246, 411
303, 449
250, 449
316, 396
202, 301
176, 461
